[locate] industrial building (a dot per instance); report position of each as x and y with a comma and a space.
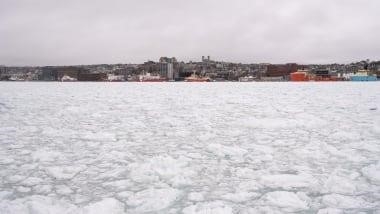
281, 70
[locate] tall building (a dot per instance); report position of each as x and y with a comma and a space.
3, 73
3, 70
48, 74
169, 60
170, 73
167, 68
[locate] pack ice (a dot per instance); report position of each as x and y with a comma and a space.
118, 148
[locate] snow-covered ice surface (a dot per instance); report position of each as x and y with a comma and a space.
189, 148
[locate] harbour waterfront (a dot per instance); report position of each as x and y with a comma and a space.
170, 70
189, 147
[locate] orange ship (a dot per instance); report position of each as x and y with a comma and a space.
196, 78
304, 75
299, 76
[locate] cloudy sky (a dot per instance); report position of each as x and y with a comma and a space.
63, 32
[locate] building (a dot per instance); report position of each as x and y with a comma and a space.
71, 72
281, 70
3, 70
169, 68
3, 73
92, 77
204, 59
148, 67
166, 70
170, 71
48, 74
323, 73
362, 76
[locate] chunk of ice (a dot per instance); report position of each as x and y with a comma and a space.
372, 172
153, 200
287, 201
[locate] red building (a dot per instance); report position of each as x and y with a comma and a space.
281, 70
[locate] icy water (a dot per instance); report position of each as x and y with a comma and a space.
189, 147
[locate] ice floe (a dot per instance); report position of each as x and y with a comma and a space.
152, 199
372, 172
286, 201
118, 148
214, 207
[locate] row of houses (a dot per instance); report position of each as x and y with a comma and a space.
171, 69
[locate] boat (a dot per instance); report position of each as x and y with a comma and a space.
299, 76
115, 78
196, 78
318, 76
362, 75
67, 78
151, 78
247, 79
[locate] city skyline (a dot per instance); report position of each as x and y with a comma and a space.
42, 33
200, 59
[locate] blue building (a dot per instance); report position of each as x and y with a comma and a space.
363, 78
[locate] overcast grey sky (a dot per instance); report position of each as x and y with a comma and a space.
63, 32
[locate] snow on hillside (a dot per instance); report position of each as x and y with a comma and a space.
189, 148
